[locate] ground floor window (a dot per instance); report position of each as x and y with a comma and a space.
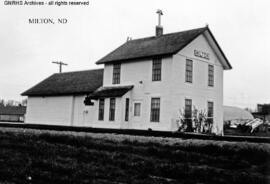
188, 114
101, 110
127, 109
210, 112
188, 108
112, 109
155, 109
196, 120
137, 109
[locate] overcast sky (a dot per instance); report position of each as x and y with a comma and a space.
241, 27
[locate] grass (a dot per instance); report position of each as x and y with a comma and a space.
34, 156
238, 132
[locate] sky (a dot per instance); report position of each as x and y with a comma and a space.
241, 28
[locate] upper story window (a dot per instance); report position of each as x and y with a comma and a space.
189, 70
116, 73
155, 109
101, 109
210, 75
156, 69
112, 109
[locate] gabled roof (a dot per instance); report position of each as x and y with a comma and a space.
164, 45
79, 82
112, 91
12, 110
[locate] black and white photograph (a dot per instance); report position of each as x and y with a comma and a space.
134, 92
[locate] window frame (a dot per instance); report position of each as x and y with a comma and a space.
211, 73
134, 113
112, 109
188, 113
189, 71
101, 110
116, 73
155, 112
188, 103
156, 69
210, 111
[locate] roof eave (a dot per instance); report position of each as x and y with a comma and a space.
191, 40
136, 58
55, 94
229, 66
99, 93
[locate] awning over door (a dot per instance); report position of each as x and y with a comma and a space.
109, 92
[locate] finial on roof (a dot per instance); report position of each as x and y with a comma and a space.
207, 25
159, 28
159, 12
129, 39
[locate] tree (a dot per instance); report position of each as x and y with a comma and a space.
10, 103
24, 102
2, 103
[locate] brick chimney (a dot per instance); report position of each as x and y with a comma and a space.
159, 28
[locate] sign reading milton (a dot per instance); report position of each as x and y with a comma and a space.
201, 54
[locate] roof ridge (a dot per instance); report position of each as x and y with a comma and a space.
78, 71
168, 34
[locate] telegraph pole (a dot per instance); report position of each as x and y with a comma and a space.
60, 63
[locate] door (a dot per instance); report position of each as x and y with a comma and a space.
126, 123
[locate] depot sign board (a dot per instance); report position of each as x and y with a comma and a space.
201, 54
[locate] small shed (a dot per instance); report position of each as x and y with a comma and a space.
235, 113
12, 113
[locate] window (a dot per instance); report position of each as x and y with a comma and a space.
127, 109
101, 110
156, 70
137, 109
210, 75
112, 109
210, 111
188, 108
155, 109
189, 68
188, 114
116, 73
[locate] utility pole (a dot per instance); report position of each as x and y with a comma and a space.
60, 63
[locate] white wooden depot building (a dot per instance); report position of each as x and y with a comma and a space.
144, 84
